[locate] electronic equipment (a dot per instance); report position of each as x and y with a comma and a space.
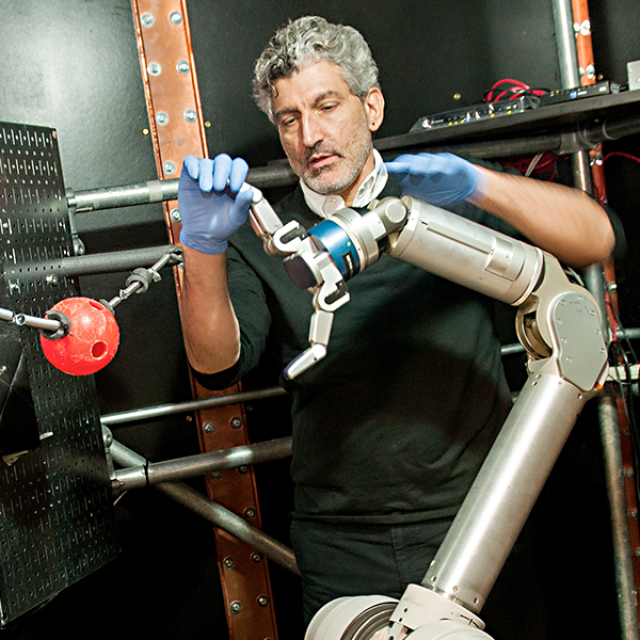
473, 113
566, 95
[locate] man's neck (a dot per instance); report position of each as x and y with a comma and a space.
349, 194
368, 187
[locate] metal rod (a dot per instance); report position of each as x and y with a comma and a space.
408, 143
151, 191
22, 319
201, 464
616, 493
213, 512
118, 261
137, 285
595, 282
566, 43
279, 175
611, 130
125, 417
125, 196
614, 476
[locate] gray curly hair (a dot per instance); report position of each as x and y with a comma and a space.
304, 42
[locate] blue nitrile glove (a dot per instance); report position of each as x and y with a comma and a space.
436, 178
211, 208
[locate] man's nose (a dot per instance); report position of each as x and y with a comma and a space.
311, 131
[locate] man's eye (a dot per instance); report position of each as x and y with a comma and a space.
328, 107
287, 122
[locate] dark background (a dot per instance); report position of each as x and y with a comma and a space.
73, 65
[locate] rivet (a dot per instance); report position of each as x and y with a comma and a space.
146, 19
162, 118
207, 124
175, 17
190, 115
229, 562
175, 215
154, 69
236, 423
183, 66
236, 607
243, 469
256, 557
262, 601
145, 132
169, 167
208, 426
249, 512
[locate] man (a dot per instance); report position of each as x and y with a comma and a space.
392, 426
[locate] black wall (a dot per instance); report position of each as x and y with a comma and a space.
73, 65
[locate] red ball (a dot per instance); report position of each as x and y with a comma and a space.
92, 340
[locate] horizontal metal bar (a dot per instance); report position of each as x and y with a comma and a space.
125, 417
213, 512
22, 319
201, 464
125, 196
280, 173
276, 175
118, 261
489, 149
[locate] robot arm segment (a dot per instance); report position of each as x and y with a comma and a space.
324, 257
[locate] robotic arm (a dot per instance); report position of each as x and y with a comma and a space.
560, 326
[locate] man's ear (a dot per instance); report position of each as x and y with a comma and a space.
374, 106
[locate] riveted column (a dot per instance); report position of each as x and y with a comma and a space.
177, 127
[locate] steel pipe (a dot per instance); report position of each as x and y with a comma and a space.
201, 464
151, 191
614, 476
566, 44
125, 417
118, 261
213, 512
595, 282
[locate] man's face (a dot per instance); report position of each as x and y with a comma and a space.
325, 130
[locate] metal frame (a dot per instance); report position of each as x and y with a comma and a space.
568, 13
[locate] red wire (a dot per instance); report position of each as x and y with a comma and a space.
620, 154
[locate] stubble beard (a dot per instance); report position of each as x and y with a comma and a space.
352, 159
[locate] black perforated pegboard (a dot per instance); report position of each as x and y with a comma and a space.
56, 517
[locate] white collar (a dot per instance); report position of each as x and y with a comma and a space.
325, 206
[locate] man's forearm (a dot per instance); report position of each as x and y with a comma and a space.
209, 324
563, 221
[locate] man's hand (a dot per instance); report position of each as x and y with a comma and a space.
211, 204
438, 179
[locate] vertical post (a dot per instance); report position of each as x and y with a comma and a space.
595, 281
177, 128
